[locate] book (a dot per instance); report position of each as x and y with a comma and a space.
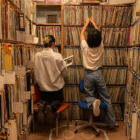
78, 14
42, 31
72, 94
69, 60
112, 15
111, 75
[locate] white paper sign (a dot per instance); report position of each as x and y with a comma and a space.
9, 77
35, 40
1, 82
30, 64
27, 95
19, 70
31, 9
32, 89
18, 107
29, 38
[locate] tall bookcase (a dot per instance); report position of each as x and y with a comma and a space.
132, 108
100, 26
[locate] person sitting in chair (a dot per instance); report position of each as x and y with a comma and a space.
50, 69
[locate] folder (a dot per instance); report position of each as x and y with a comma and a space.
21, 22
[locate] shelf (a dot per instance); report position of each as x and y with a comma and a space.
113, 26
78, 25
117, 46
122, 4
15, 42
112, 102
103, 66
48, 5
116, 84
15, 6
104, 46
115, 66
41, 45
71, 45
79, 4
135, 21
49, 24
106, 84
136, 45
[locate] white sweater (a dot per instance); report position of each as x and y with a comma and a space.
49, 70
92, 57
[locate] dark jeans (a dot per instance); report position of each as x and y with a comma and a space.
53, 99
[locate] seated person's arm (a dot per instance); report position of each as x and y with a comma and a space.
62, 66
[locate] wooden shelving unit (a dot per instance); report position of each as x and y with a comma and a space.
99, 26
19, 10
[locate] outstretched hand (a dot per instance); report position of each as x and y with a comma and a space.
92, 20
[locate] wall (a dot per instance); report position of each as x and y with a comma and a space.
119, 1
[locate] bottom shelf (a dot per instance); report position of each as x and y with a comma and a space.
112, 102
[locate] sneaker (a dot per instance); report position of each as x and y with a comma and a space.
49, 115
113, 126
96, 107
40, 114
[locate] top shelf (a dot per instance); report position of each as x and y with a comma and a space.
48, 5
96, 3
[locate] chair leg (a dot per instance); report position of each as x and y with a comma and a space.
33, 123
96, 129
68, 118
57, 126
82, 126
80, 122
100, 124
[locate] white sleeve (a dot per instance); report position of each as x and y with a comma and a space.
84, 45
36, 74
62, 66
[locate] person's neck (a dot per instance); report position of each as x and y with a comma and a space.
48, 48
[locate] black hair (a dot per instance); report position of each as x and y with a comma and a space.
94, 38
51, 40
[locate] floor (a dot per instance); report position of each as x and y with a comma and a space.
42, 132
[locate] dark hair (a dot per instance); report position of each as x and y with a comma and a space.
94, 38
49, 41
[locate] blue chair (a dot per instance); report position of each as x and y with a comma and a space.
83, 105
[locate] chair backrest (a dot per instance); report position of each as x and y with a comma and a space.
81, 86
36, 95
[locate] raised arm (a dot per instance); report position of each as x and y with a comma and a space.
84, 28
93, 22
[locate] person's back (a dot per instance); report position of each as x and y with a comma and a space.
48, 67
92, 51
49, 71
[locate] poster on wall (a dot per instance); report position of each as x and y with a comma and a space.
104, 1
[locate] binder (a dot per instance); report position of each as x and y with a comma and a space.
21, 22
